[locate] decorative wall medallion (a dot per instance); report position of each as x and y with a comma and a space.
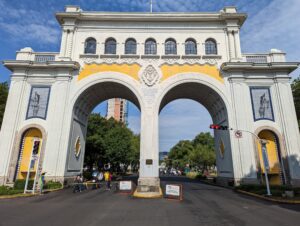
150, 76
222, 149
77, 147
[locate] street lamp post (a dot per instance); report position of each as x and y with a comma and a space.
264, 156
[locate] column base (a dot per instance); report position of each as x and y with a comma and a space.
148, 187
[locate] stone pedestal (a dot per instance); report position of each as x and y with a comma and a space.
148, 187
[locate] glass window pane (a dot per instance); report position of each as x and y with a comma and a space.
210, 47
150, 47
190, 47
90, 46
170, 47
130, 46
110, 46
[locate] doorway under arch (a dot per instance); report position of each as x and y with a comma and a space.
276, 172
31, 144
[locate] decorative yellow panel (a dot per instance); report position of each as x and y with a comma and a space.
26, 149
131, 70
209, 70
272, 151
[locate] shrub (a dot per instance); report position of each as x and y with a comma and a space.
20, 184
5, 190
194, 175
52, 185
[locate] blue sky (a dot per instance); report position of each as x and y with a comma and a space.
270, 24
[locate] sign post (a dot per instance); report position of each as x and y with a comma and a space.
174, 191
266, 164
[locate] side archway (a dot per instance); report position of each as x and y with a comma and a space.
22, 150
278, 173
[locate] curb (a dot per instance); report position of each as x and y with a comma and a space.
268, 198
22, 195
148, 196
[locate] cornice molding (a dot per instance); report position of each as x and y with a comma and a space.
152, 17
274, 66
25, 64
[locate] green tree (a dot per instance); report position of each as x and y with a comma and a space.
3, 97
109, 141
205, 139
178, 155
199, 152
296, 94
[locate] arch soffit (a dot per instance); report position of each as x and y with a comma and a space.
184, 78
103, 77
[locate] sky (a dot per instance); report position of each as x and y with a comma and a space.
270, 24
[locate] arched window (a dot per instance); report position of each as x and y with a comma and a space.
150, 46
210, 47
170, 47
190, 47
110, 46
90, 46
130, 46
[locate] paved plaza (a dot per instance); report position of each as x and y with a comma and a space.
202, 205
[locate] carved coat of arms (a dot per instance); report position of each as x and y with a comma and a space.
150, 76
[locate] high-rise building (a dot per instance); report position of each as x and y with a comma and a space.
117, 109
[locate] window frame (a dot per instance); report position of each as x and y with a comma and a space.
211, 47
128, 49
110, 48
86, 50
170, 47
150, 49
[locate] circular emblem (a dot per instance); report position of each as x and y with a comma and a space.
77, 148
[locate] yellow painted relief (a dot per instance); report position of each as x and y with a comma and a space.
209, 70
274, 172
131, 70
28, 140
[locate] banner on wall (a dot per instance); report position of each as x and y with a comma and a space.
38, 102
261, 103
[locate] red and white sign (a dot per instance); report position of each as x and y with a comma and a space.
238, 134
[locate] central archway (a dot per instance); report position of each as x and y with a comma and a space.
211, 97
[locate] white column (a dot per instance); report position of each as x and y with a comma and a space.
237, 44
63, 45
10, 123
231, 44
149, 144
69, 43
149, 157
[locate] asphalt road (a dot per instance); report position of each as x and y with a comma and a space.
202, 205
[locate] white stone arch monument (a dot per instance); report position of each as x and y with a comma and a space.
57, 91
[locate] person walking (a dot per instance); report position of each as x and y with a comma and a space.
107, 178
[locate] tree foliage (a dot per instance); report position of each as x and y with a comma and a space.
198, 153
3, 97
109, 141
296, 94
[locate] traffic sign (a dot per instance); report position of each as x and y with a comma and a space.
238, 134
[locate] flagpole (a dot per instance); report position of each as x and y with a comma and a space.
151, 5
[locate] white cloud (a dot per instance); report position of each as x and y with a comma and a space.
275, 26
22, 24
